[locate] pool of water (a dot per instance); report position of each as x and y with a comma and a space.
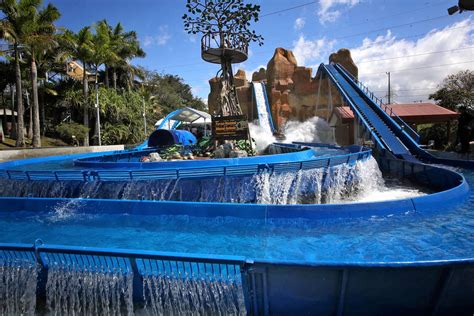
447, 234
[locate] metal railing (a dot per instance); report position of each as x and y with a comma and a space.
181, 173
387, 109
231, 41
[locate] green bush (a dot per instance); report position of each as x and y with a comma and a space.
67, 130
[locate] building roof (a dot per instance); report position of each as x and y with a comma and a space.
416, 113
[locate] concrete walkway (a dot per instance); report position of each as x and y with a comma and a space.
14, 154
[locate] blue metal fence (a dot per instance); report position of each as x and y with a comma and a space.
182, 173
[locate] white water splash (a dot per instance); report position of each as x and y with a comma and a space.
72, 290
18, 288
313, 130
64, 211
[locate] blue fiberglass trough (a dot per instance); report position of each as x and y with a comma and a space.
252, 285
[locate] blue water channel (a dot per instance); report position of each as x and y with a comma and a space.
446, 234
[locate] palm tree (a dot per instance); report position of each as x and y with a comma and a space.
102, 53
80, 47
17, 15
127, 47
39, 37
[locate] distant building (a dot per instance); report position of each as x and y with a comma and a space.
342, 118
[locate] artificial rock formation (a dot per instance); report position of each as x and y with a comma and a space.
292, 91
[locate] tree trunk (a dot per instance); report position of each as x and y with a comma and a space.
13, 130
97, 112
106, 76
43, 112
5, 120
114, 77
36, 118
20, 137
29, 134
85, 90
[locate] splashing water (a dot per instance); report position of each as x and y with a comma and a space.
72, 290
344, 183
18, 287
189, 295
64, 211
313, 130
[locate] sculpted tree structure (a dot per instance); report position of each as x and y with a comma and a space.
225, 26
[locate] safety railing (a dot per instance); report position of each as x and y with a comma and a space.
387, 109
182, 173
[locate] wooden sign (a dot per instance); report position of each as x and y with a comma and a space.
230, 127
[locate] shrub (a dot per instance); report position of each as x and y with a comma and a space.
67, 130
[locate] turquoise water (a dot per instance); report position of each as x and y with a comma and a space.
447, 234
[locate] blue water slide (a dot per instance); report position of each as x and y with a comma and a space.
263, 106
389, 133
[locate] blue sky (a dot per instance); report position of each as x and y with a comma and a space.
384, 35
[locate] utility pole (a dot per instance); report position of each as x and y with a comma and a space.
389, 92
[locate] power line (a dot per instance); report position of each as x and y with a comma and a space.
268, 51
289, 9
425, 67
393, 27
414, 55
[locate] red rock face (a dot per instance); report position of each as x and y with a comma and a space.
291, 89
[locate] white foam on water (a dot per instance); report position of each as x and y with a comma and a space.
313, 130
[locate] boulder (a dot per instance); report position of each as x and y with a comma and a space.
259, 75
281, 66
343, 57
237, 153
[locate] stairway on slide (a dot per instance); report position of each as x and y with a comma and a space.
382, 133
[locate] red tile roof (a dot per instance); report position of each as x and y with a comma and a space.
417, 113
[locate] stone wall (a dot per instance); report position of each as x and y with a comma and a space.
291, 89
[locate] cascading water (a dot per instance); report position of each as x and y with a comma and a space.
343, 183
264, 117
18, 287
190, 295
74, 290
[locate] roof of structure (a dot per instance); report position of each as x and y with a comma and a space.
417, 113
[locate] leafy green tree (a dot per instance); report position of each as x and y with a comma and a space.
126, 47
13, 26
80, 46
222, 17
39, 37
456, 92
7, 78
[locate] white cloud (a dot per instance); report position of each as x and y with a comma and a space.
385, 53
307, 51
299, 23
147, 41
328, 12
160, 39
